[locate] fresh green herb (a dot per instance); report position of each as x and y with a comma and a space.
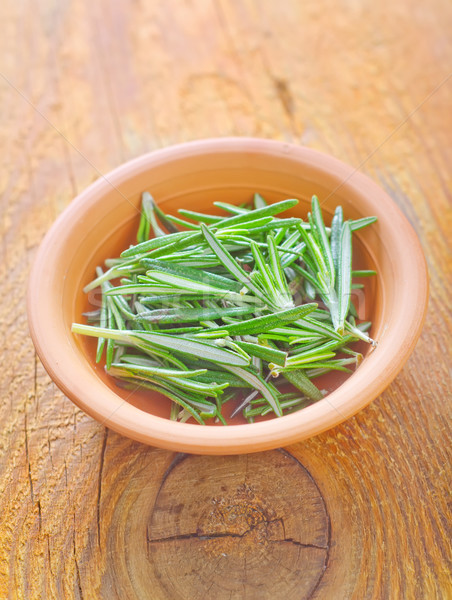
246, 300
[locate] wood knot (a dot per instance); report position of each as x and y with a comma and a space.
251, 526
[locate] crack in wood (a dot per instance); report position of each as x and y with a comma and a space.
27, 457
77, 569
39, 516
49, 555
65, 474
35, 382
227, 534
49, 447
180, 456
27, 452
297, 543
148, 541
328, 522
99, 484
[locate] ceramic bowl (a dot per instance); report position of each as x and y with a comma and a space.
100, 222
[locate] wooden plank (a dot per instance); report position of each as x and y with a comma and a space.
85, 86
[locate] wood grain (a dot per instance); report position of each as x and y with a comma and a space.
224, 525
88, 514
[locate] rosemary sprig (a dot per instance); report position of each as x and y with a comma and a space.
198, 313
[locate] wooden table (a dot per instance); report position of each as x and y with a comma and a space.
358, 512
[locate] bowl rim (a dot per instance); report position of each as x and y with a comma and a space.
129, 420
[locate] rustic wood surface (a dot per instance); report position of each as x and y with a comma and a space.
358, 512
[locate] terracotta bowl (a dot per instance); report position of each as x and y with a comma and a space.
100, 223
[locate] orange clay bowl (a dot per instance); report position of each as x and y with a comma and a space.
101, 222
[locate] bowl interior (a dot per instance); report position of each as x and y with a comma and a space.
103, 220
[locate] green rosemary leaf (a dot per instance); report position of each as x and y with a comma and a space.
110, 340
283, 297
258, 201
268, 322
264, 352
182, 222
266, 280
323, 239
199, 275
158, 371
364, 273
258, 383
186, 284
270, 210
127, 267
308, 278
288, 405
180, 330
164, 221
335, 237
189, 239
248, 227
120, 323
138, 359
344, 276
301, 382
306, 357
187, 315
157, 243
167, 342
102, 322
169, 298
359, 333
173, 394
143, 228
313, 324
315, 254
214, 376
195, 399
278, 224
199, 217
147, 203
141, 288
230, 264
360, 223
203, 389
231, 208
240, 240
291, 255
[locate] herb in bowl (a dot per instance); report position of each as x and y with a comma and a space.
249, 304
